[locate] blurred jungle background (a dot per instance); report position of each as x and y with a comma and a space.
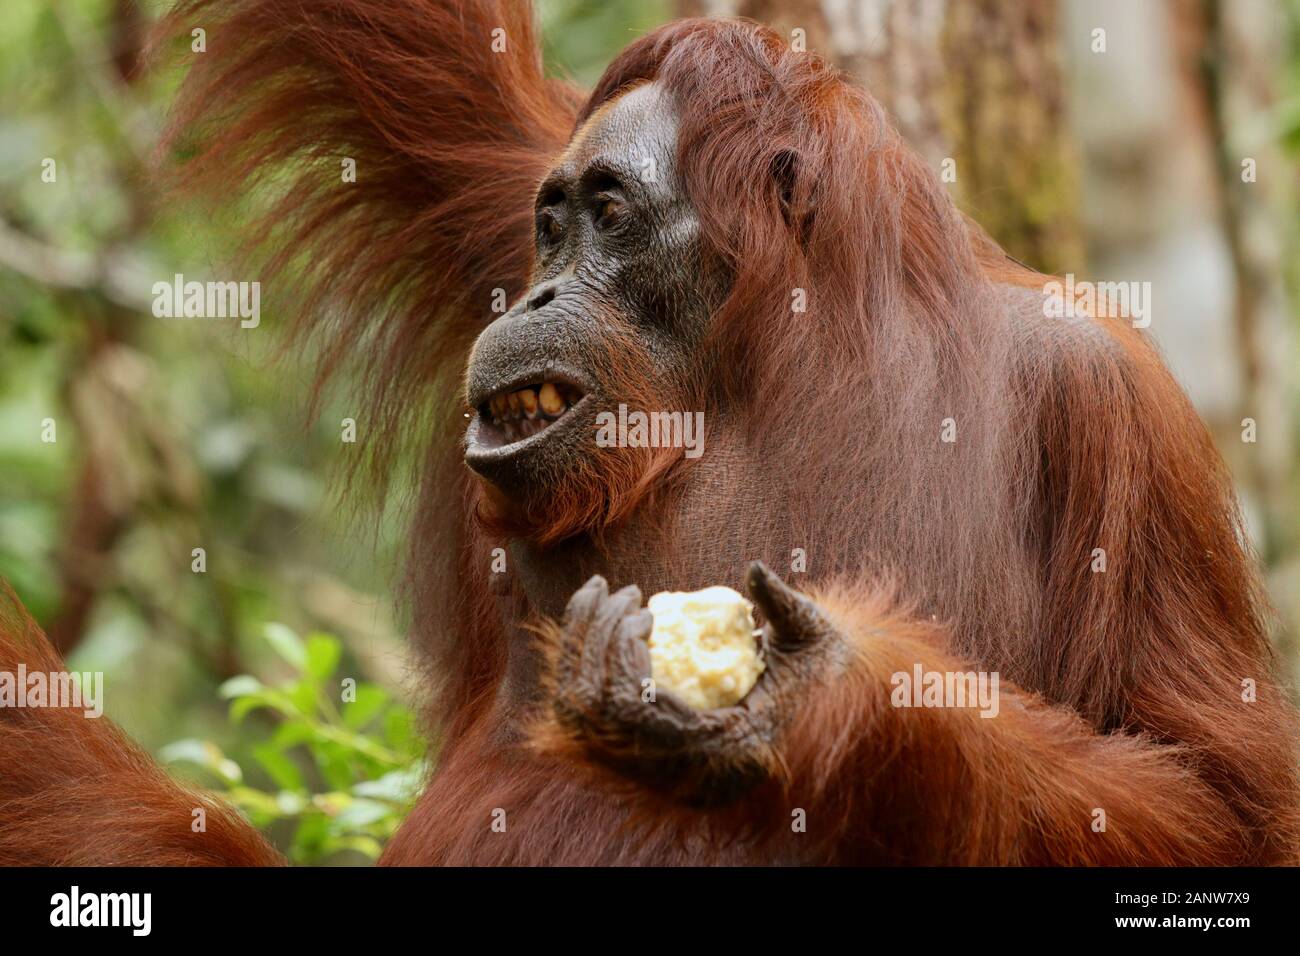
1116, 140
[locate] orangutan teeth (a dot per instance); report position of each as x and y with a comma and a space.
524, 412
550, 399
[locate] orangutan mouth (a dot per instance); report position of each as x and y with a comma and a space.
519, 413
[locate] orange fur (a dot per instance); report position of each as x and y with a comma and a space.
76, 791
1123, 689
1125, 686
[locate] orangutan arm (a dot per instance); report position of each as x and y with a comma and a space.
1031, 784
75, 790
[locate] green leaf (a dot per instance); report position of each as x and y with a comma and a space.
323, 653
287, 644
268, 697
360, 813
370, 701
292, 733
206, 755
335, 765
399, 730
245, 706
263, 808
365, 845
291, 804
304, 695
396, 786
283, 771
241, 686
313, 831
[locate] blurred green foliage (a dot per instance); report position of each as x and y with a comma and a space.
580, 37
1288, 110
345, 761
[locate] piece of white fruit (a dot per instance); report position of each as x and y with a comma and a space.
703, 647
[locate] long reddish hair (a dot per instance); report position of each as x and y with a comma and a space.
393, 275
1072, 439
1070, 435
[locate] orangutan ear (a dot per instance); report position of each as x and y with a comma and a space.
796, 208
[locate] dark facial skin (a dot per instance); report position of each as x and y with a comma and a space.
617, 247
618, 251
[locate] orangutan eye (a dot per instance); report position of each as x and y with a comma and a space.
549, 226
608, 211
